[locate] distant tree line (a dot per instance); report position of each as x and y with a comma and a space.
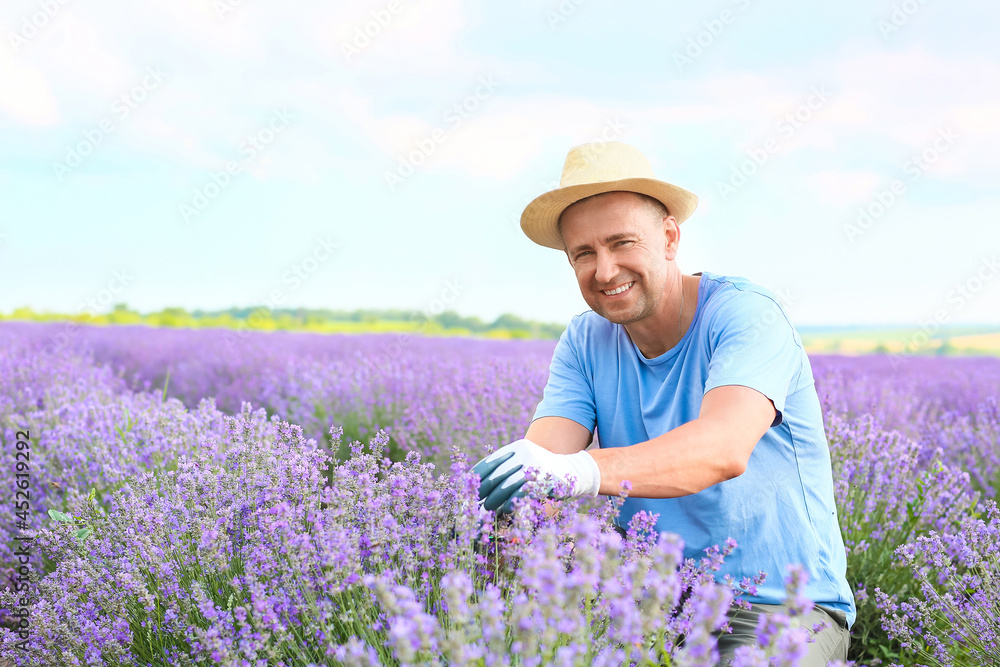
313, 319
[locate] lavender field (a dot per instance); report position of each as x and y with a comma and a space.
204, 498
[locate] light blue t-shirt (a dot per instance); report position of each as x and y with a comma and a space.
781, 510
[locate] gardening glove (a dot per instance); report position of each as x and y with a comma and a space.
502, 475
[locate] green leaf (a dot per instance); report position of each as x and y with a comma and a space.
166, 383
129, 423
84, 533
61, 516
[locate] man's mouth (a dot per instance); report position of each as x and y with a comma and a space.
618, 290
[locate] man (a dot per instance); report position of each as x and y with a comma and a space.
698, 387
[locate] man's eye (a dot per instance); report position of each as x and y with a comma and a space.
626, 241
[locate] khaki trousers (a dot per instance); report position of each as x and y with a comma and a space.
830, 644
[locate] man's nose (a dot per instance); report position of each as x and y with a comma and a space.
607, 268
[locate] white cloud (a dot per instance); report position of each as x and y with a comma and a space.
841, 188
212, 27
25, 94
420, 37
77, 52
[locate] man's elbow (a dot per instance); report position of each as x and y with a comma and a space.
731, 453
733, 468
723, 470
738, 457
734, 457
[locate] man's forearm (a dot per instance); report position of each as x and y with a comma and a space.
691, 457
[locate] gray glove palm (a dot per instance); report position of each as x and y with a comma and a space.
501, 473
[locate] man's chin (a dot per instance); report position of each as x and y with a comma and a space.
624, 321
618, 316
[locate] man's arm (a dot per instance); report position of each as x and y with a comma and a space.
559, 435
713, 448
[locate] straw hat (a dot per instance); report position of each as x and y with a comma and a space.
590, 169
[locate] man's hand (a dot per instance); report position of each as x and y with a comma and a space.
502, 472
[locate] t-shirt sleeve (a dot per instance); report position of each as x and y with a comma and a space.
754, 345
569, 392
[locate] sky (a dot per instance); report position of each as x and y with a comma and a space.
217, 153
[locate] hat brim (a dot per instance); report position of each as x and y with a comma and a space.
540, 218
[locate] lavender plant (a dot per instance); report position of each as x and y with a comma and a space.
886, 497
953, 621
782, 639
971, 438
429, 395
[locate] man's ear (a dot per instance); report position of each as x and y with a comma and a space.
672, 236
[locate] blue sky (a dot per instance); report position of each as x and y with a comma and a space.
217, 153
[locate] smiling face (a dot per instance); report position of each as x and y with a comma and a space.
621, 252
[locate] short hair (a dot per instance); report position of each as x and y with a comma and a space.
656, 208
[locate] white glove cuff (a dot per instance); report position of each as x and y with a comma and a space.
587, 473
